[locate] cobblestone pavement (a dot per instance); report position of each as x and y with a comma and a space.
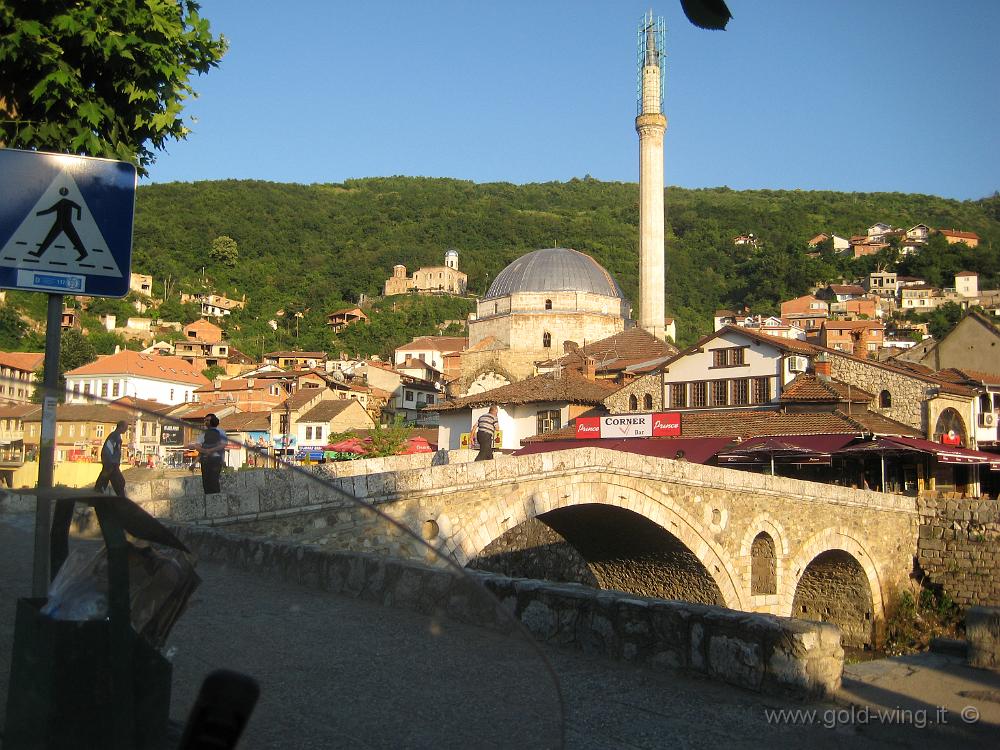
337, 672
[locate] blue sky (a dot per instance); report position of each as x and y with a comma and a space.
854, 95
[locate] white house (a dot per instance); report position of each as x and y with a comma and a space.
161, 378
430, 349
732, 368
534, 406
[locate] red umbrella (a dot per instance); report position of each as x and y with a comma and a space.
416, 445
350, 445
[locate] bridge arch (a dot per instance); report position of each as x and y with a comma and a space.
467, 537
835, 558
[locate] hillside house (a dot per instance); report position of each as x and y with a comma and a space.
162, 378
340, 319
859, 337
807, 312
954, 236
17, 375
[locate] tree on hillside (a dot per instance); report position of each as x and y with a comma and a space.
12, 328
75, 350
225, 251
103, 78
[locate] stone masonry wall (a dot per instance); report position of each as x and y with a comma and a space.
908, 394
959, 548
757, 652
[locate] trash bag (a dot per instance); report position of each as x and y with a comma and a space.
161, 580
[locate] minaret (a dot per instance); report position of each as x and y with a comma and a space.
651, 125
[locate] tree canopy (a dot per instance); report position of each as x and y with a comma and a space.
101, 78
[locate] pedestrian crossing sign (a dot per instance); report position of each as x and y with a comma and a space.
65, 223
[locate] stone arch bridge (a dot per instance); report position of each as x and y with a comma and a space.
640, 524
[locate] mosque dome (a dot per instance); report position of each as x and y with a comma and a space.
554, 269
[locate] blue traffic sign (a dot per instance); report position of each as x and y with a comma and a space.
65, 223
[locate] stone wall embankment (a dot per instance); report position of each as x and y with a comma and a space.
758, 652
959, 548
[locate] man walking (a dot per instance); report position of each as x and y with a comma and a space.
486, 429
111, 458
211, 448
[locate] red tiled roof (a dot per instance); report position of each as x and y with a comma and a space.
26, 361
154, 366
812, 388
245, 421
846, 289
617, 351
436, 343
960, 235
570, 387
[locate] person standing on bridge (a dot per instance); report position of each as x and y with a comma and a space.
486, 429
111, 459
211, 449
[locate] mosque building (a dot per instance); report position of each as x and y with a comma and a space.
551, 300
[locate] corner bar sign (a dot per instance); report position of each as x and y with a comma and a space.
659, 424
65, 223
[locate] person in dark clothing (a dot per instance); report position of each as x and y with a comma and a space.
111, 458
486, 429
211, 450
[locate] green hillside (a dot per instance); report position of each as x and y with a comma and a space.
314, 248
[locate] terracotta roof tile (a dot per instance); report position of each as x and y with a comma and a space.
811, 388
618, 351
324, 411
27, 361
569, 387
154, 366
437, 343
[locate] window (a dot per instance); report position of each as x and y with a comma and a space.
547, 421
99, 431
319, 432
408, 395
720, 393
115, 388
729, 357
171, 394
76, 389
647, 401
548, 304
309, 432
59, 431
699, 394
546, 339
633, 403
104, 388
761, 390
678, 395
741, 392
72, 430
885, 400
430, 398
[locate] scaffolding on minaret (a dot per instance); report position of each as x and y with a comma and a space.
652, 35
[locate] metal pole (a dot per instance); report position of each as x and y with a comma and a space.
47, 446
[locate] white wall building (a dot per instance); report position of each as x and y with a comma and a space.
161, 378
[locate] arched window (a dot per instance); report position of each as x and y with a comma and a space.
548, 304
763, 566
547, 339
885, 400
633, 403
647, 401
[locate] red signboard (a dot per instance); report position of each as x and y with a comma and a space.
588, 427
951, 438
666, 424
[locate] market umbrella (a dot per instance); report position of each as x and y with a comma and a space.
416, 445
349, 445
761, 450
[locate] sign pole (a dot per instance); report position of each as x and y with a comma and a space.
47, 446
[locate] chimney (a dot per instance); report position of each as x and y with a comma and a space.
217, 384
822, 366
590, 368
860, 337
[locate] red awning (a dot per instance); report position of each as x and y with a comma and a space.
796, 449
695, 450
948, 454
